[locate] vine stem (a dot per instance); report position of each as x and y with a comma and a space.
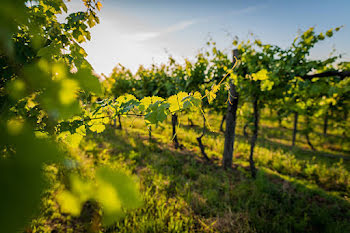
228, 72
128, 114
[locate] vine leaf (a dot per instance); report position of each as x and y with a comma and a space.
175, 101
114, 190
156, 112
193, 100
211, 95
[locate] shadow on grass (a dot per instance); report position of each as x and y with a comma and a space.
286, 134
226, 201
298, 151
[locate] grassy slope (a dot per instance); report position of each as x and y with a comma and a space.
296, 190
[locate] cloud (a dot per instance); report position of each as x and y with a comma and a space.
143, 36
123, 38
248, 9
180, 26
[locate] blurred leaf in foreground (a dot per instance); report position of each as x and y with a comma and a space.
113, 190
21, 178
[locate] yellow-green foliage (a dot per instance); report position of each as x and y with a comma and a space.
294, 190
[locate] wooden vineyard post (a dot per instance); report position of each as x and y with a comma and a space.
231, 116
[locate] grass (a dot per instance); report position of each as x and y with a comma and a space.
297, 190
329, 171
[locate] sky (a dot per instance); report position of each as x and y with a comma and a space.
142, 32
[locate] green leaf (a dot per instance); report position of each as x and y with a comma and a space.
115, 191
72, 140
329, 33
147, 101
175, 101
193, 100
88, 82
98, 128
157, 112
266, 85
126, 103
49, 51
21, 175
260, 75
69, 203
210, 96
